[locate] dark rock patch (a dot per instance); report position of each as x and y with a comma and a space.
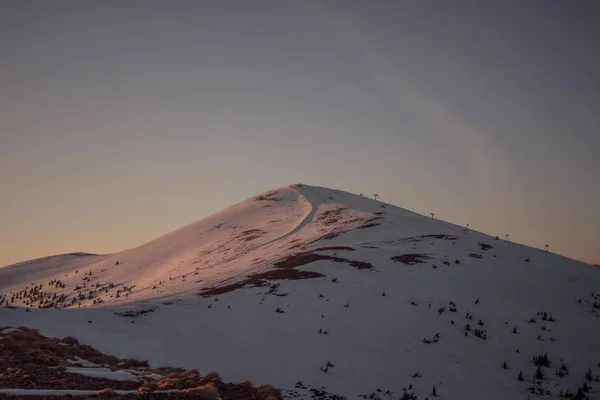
411, 259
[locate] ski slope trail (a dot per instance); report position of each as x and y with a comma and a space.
307, 218
206, 252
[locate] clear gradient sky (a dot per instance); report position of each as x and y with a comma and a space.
123, 120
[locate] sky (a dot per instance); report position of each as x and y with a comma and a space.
122, 121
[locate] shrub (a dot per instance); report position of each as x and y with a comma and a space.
70, 340
434, 391
408, 396
541, 360
180, 380
246, 382
588, 375
521, 378
204, 392
212, 377
268, 391
539, 373
585, 388
481, 333
130, 363
580, 395
148, 387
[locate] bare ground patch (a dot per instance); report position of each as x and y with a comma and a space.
411, 259
371, 222
135, 313
297, 260
334, 248
261, 279
285, 269
485, 246
330, 217
330, 235
440, 236
250, 234
270, 196
369, 225
29, 360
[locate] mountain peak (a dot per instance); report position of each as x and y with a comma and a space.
333, 285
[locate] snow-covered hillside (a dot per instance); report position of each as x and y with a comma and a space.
321, 291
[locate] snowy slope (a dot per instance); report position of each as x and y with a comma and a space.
302, 276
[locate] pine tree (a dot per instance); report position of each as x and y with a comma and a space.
585, 388
539, 374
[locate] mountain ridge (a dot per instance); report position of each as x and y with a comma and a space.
265, 193
321, 291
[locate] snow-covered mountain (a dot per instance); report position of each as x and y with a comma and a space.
319, 292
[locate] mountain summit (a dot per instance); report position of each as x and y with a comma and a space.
227, 247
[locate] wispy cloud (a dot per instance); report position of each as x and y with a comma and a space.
473, 147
